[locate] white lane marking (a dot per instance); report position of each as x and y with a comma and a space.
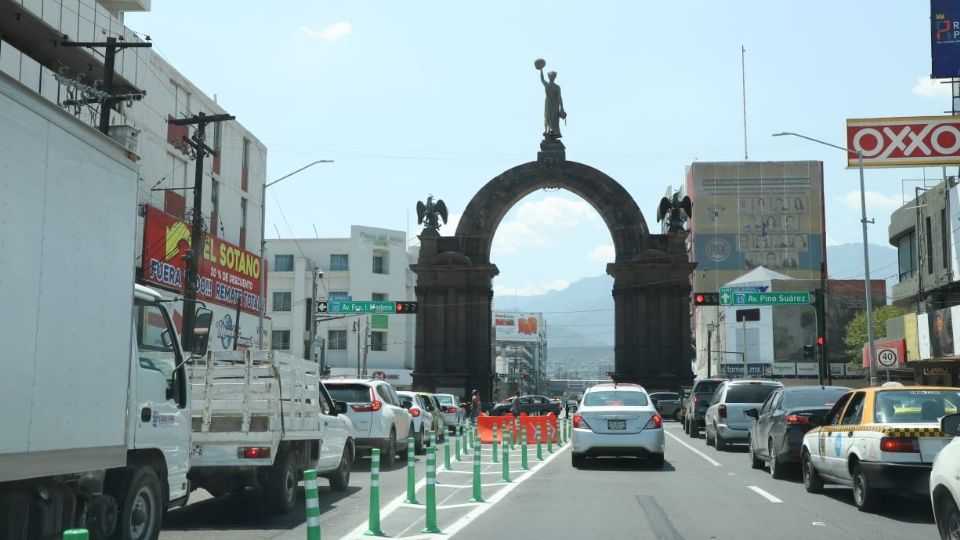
764, 494
709, 459
819, 524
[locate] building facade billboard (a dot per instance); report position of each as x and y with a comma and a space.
914, 141
945, 39
750, 214
512, 326
227, 273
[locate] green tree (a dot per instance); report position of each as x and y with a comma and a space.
855, 335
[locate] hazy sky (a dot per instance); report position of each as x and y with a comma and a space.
411, 98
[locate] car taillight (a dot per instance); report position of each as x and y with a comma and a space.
696, 400
451, 409
579, 422
722, 411
795, 419
655, 422
255, 452
414, 412
900, 444
367, 407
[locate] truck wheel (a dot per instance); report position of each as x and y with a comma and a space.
282, 484
340, 479
141, 507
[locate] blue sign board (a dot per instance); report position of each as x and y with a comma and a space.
945, 38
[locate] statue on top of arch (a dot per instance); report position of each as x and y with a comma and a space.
674, 211
430, 214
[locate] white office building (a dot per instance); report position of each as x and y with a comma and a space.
371, 264
32, 52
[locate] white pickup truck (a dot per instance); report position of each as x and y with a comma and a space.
260, 418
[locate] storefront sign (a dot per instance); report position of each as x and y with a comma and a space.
904, 142
227, 273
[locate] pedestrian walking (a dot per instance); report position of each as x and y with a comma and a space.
474, 407
515, 407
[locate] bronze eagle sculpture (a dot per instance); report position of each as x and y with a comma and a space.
430, 214
674, 213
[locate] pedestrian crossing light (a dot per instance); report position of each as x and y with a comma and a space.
405, 307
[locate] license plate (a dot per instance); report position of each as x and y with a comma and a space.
616, 424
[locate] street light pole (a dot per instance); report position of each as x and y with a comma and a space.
866, 254
263, 243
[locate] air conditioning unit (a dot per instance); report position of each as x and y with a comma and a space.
127, 136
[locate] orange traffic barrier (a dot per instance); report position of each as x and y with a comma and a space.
543, 421
485, 427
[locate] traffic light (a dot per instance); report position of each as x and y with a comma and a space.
405, 307
808, 351
706, 299
820, 341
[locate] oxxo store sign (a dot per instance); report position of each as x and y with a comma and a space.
904, 142
227, 273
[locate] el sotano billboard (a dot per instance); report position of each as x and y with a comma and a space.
228, 275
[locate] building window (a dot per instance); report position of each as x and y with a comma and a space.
281, 301
907, 255
339, 263
380, 264
379, 297
944, 238
337, 340
217, 135
378, 341
281, 340
283, 263
215, 195
929, 261
246, 154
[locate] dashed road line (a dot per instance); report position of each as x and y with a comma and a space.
764, 494
709, 459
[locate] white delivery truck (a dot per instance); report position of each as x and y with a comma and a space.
260, 418
94, 404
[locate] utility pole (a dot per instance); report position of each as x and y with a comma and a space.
196, 237
311, 352
366, 345
236, 326
112, 45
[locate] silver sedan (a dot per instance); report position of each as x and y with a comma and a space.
617, 420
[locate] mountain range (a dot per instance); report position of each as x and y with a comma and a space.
581, 315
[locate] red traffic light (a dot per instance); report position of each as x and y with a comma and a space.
820, 341
706, 299
405, 307
699, 299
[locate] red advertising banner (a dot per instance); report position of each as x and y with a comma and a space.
904, 142
227, 273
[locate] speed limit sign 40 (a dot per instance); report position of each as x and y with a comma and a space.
887, 357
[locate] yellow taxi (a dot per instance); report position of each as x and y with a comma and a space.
878, 439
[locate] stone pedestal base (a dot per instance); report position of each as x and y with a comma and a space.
551, 151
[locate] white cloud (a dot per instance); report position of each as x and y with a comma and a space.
513, 236
931, 88
330, 33
558, 213
875, 200
831, 241
530, 289
603, 253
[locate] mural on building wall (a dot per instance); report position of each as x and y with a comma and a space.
756, 214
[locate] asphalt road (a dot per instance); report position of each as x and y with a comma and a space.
700, 494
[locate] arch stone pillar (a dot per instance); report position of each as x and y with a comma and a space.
455, 341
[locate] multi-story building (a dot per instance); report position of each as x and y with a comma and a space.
372, 264
751, 215
32, 52
925, 233
521, 349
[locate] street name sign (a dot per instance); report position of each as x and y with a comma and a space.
730, 297
361, 306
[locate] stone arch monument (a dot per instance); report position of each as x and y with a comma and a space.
651, 291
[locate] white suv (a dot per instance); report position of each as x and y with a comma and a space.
379, 419
337, 447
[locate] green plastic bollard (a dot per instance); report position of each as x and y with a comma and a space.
411, 473
506, 462
431, 516
76, 534
446, 454
496, 447
539, 443
313, 504
523, 449
374, 520
549, 437
456, 441
477, 485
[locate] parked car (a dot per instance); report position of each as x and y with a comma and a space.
421, 416
695, 406
725, 421
337, 450
531, 405
436, 412
617, 420
776, 434
879, 439
667, 403
453, 414
944, 483
379, 419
